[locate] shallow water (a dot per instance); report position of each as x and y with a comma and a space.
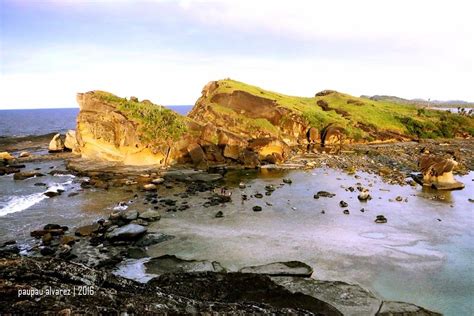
423, 255
414, 257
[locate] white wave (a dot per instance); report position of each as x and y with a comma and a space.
20, 203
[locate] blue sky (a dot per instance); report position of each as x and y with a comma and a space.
167, 51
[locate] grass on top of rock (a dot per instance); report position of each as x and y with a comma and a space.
156, 123
351, 112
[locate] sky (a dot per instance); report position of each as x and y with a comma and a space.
166, 51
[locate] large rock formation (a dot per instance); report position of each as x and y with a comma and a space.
236, 122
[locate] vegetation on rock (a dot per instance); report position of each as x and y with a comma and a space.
156, 123
361, 117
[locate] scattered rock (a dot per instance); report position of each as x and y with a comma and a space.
219, 214
258, 195
47, 251
343, 204
346, 212
324, 194
257, 208
6, 156
398, 199
129, 215
287, 181
67, 240
364, 195
24, 154
158, 181
242, 185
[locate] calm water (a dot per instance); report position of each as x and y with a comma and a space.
44, 121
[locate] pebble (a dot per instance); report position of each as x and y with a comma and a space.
380, 219
287, 181
219, 214
343, 204
257, 208
346, 212
258, 195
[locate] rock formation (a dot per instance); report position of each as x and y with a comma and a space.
236, 122
56, 144
437, 172
71, 141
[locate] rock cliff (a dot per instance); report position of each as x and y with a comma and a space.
236, 122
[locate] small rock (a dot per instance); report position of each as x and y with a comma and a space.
129, 215
257, 208
127, 232
287, 181
56, 144
67, 240
380, 219
346, 212
364, 196
47, 251
219, 214
324, 194
158, 181
24, 154
51, 194
242, 185
26, 174
343, 204
150, 187
258, 195
323, 212
46, 239
398, 199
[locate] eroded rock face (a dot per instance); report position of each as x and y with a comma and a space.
71, 141
56, 144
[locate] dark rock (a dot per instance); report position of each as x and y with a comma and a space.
40, 184
41, 233
136, 253
343, 204
67, 240
172, 264
287, 181
51, 226
380, 219
47, 251
257, 208
346, 212
51, 194
46, 239
289, 268
324, 194
258, 195
219, 214
152, 239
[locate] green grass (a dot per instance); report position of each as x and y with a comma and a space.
156, 123
407, 119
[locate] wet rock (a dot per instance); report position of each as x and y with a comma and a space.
343, 204
40, 184
67, 240
349, 299
287, 181
346, 212
289, 268
364, 195
70, 141
242, 185
390, 308
398, 199
270, 188
219, 214
26, 174
258, 195
380, 219
149, 216
152, 239
87, 230
47, 251
9, 248
17, 166
136, 253
4, 155
257, 208
126, 233
324, 194
41, 233
172, 264
129, 215
46, 239
52, 193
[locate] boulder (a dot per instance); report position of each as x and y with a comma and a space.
149, 215
24, 154
249, 159
87, 230
312, 135
71, 140
172, 264
126, 233
289, 268
56, 144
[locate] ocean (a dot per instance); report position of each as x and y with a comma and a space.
18, 123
